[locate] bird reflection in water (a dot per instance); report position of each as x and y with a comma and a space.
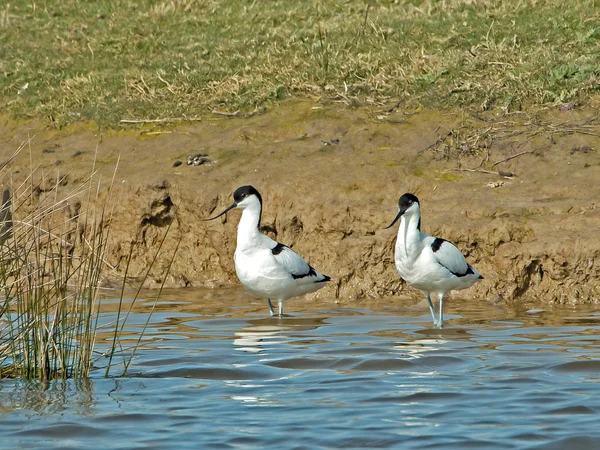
261, 334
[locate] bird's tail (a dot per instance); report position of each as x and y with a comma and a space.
322, 279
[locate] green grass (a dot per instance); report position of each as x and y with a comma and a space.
53, 256
108, 60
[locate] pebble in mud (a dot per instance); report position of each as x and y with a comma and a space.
506, 173
177, 163
330, 142
583, 149
198, 159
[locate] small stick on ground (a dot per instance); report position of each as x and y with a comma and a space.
154, 133
512, 157
489, 172
227, 114
166, 120
439, 141
238, 113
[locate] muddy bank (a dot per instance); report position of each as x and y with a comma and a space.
516, 192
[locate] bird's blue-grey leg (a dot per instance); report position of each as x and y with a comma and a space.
270, 307
431, 307
280, 308
440, 322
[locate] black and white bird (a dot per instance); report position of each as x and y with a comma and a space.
266, 268
431, 265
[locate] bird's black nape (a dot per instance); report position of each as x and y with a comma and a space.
407, 200
246, 191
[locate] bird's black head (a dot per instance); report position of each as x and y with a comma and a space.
244, 192
404, 203
239, 196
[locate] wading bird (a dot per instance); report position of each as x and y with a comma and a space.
431, 265
266, 268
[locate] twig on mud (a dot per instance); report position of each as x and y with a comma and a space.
439, 141
489, 172
483, 119
391, 108
153, 133
572, 131
228, 114
512, 157
166, 120
238, 113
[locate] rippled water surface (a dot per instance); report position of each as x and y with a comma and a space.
215, 372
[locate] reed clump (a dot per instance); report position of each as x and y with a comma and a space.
53, 257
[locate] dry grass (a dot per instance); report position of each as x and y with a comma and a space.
470, 144
108, 61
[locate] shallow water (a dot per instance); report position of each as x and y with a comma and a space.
216, 372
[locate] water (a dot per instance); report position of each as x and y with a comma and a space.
215, 372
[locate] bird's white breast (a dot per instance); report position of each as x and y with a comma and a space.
258, 272
409, 247
411, 262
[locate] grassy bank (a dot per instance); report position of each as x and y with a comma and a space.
110, 60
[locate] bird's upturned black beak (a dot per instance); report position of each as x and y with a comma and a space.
402, 211
224, 212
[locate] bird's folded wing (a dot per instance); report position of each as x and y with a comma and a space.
452, 259
292, 262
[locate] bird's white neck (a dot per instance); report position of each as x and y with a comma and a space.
248, 233
409, 234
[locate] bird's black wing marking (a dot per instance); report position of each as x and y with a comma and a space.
311, 273
460, 275
437, 243
278, 249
